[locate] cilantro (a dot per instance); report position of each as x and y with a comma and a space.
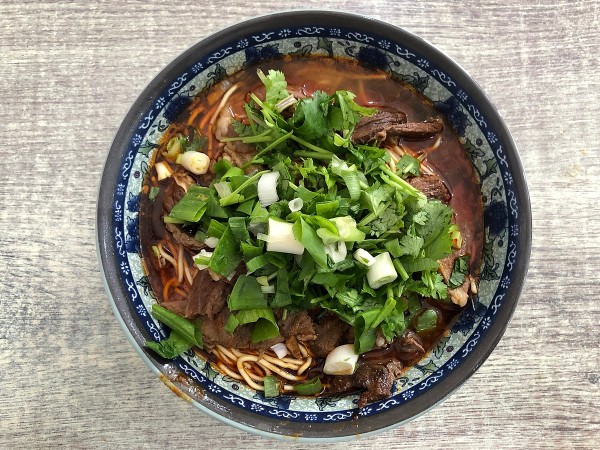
350, 195
275, 84
154, 190
199, 143
409, 165
385, 222
411, 244
459, 272
310, 116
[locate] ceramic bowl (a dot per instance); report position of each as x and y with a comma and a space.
375, 44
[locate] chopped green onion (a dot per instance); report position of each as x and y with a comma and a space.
400, 269
226, 255
364, 257
223, 188
282, 293
246, 207
271, 385
251, 251
191, 207
327, 209
154, 190
310, 387
341, 361
183, 327
239, 228
295, 204
427, 321
346, 227
256, 263
267, 289
202, 259
281, 238
216, 229
382, 271
246, 294
267, 189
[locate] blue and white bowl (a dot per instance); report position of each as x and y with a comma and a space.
507, 219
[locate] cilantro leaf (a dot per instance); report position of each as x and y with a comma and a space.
409, 165
459, 272
310, 116
411, 245
275, 84
385, 222
437, 242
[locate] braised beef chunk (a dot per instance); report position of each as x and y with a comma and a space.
409, 346
178, 306
179, 183
375, 127
416, 130
213, 332
206, 296
181, 237
330, 332
432, 186
297, 328
376, 377
391, 123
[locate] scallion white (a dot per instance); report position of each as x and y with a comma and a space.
195, 162
162, 170
295, 204
382, 271
364, 257
341, 361
267, 189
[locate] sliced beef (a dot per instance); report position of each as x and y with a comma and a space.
432, 186
377, 378
459, 295
375, 127
178, 306
297, 328
391, 123
409, 347
213, 332
331, 332
206, 296
416, 130
237, 154
181, 237
178, 185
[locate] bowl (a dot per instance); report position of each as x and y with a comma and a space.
507, 219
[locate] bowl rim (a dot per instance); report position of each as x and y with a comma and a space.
130, 323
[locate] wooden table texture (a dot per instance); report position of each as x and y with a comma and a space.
69, 71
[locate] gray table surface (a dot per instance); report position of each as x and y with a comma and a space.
68, 74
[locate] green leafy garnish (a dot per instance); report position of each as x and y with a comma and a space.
184, 334
310, 387
459, 272
351, 197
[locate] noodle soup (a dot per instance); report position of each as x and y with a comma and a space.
310, 233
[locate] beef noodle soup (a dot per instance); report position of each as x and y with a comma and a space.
310, 227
